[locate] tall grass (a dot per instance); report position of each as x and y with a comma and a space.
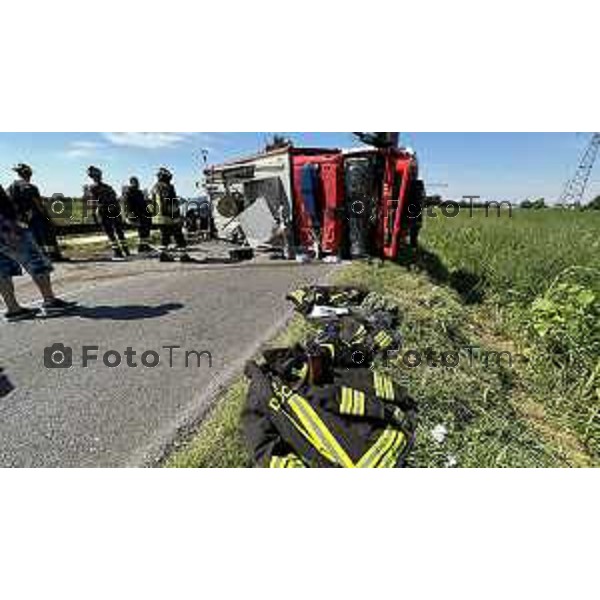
541, 270
516, 258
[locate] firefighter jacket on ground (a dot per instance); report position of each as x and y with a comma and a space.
369, 331
306, 298
26, 199
359, 341
105, 197
354, 418
165, 204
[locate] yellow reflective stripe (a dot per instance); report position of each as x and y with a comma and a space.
377, 450
291, 461
297, 295
358, 407
383, 339
384, 387
391, 457
346, 402
353, 402
386, 343
306, 434
360, 334
320, 436
390, 388
302, 372
331, 348
349, 400
377, 382
384, 452
380, 389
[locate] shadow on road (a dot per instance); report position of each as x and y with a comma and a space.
128, 312
6, 387
205, 260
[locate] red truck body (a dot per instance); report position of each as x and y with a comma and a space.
330, 198
396, 171
401, 171
391, 172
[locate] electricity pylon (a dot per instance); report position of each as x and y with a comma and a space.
575, 188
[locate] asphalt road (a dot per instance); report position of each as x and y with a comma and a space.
124, 415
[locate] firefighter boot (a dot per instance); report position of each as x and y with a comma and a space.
184, 257
117, 252
164, 256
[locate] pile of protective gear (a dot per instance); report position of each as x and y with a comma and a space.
329, 403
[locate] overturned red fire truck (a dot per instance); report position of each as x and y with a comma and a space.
365, 201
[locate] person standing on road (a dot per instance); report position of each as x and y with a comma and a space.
108, 211
26, 197
137, 207
167, 215
18, 248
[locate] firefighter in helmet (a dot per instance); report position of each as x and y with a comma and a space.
138, 209
108, 211
26, 196
168, 217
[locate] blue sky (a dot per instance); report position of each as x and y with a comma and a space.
510, 166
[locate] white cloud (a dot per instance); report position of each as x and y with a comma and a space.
82, 149
148, 141
87, 144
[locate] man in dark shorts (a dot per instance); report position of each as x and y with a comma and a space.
108, 210
18, 249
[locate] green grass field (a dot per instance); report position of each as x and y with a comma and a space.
526, 285
538, 273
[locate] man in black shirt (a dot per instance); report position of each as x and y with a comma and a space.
108, 211
18, 248
26, 197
